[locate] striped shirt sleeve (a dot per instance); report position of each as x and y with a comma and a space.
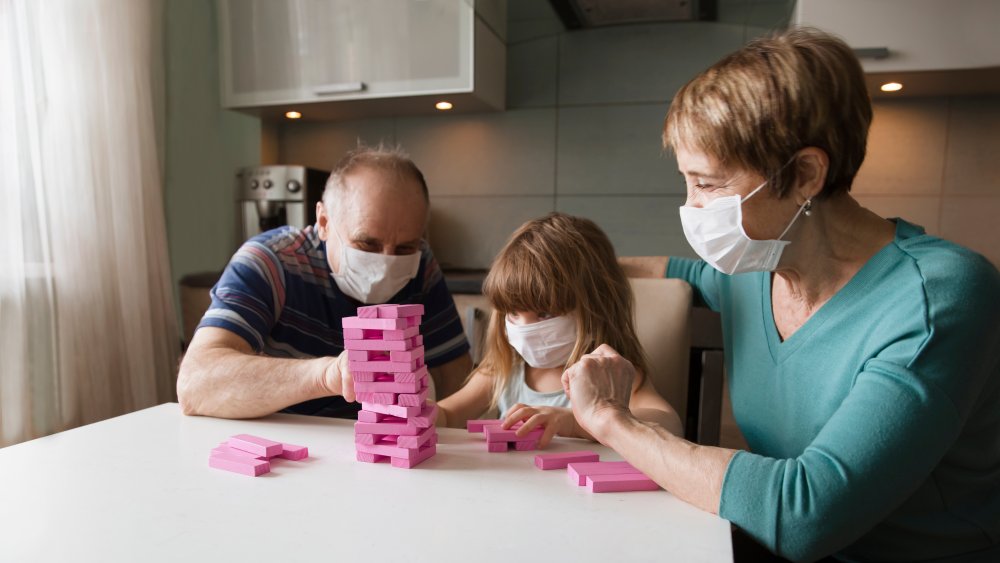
441, 326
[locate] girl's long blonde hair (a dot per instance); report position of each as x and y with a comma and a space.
560, 264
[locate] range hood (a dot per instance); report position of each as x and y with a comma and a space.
577, 14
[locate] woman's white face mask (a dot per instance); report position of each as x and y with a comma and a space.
716, 233
545, 344
373, 277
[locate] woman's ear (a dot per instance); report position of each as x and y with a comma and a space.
811, 166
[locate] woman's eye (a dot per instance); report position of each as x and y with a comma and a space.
704, 186
544, 316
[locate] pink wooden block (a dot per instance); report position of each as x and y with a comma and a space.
620, 483
413, 321
418, 340
388, 450
373, 324
525, 446
413, 399
255, 445
360, 355
402, 334
377, 344
353, 334
369, 458
293, 452
419, 374
384, 366
578, 472
478, 426
426, 418
391, 410
225, 448
395, 428
367, 438
391, 311
423, 454
497, 434
241, 465
371, 416
365, 376
376, 397
406, 355
429, 434
370, 312
561, 460
495, 447
390, 386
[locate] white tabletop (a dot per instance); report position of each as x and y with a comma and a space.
138, 487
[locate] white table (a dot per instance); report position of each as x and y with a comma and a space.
138, 488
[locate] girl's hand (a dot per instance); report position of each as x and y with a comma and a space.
555, 420
599, 387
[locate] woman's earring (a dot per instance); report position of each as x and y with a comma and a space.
808, 208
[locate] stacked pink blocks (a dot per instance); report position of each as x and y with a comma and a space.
385, 354
251, 455
500, 440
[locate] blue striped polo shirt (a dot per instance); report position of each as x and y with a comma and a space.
277, 293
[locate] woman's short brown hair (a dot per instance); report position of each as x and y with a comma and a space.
757, 107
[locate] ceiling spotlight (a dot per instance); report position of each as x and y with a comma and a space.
892, 87
293, 114
443, 106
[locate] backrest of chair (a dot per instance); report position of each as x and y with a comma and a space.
662, 317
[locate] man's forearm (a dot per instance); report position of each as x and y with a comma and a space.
232, 384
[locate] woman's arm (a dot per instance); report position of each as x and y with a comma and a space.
467, 403
648, 405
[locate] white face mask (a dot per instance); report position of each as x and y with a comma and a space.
372, 277
716, 233
545, 344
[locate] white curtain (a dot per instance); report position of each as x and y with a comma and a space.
87, 324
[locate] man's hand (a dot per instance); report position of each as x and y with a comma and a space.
337, 378
599, 387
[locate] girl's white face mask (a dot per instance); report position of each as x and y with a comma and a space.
372, 277
716, 233
545, 344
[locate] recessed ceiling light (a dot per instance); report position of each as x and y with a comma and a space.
443, 106
892, 87
293, 114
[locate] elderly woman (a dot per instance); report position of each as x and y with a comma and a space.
863, 354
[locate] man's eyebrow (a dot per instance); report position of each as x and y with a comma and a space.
364, 237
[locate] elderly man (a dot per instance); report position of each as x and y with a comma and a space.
272, 338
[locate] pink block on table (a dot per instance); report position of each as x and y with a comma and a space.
478, 426
413, 399
391, 311
373, 324
391, 410
383, 428
561, 460
236, 464
390, 386
497, 434
225, 448
293, 452
369, 458
426, 418
406, 355
370, 312
429, 434
255, 445
423, 454
525, 446
620, 483
578, 472
384, 366
375, 397
402, 334
496, 447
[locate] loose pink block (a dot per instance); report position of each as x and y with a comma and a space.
255, 445
413, 399
495, 447
525, 446
402, 334
478, 426
390, 311
578, 472
370, 312
497, 434
293, 452
423, 454
384, 366
394, 428
391, 410
390, 386
376, 397
406, 355
373, 324
242, 465
225, 448
620, 483
561, 460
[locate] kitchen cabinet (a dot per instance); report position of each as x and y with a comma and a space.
332, 59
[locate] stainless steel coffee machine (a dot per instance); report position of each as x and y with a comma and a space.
268, 197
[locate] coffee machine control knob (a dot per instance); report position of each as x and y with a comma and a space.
293, 186
268, 184
253, 184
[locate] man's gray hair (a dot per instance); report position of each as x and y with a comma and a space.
392, 159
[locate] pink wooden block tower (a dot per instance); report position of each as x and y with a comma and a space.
385, 354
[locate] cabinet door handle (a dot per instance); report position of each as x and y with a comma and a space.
338, 88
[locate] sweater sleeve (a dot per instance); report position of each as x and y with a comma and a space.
704, 279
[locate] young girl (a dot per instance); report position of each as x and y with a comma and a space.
558, 293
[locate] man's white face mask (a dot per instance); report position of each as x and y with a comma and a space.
373, 277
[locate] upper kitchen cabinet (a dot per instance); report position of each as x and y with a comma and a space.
932, 47
338, 59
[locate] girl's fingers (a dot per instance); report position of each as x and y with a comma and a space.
537, 419
550, 432
516, 413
